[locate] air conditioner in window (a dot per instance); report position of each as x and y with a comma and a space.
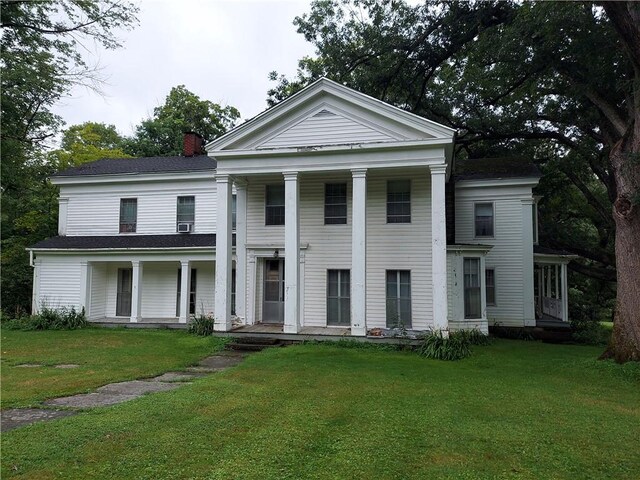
184, 228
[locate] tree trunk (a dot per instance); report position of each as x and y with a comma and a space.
625, 159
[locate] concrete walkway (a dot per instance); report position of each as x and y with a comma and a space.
119, 392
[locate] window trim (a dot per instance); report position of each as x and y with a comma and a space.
493, 219
266, 206
339, 296
346, 203
486, 288
387, 200
120, 223
193, 224
398, 298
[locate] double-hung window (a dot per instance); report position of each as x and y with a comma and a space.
186, 212
234, 211
490, 285
398, 298
399, 201
472, 288
335, 204
274, 205
483, 215
338, 297
128, 215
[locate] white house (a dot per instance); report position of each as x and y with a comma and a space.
331, 212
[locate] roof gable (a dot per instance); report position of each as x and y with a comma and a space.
327, 113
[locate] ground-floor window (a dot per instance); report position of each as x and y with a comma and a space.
338, 297
192, 292
490, 285
398, 298
472, 289
233, 291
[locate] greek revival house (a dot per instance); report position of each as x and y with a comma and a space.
331, 212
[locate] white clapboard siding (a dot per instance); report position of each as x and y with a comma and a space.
326, 128
98, 300
399, 247
205, 287
95, 210
159, 289
506, 255
59, 282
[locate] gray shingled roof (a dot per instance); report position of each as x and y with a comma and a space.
128, 242
500, 167
114, 166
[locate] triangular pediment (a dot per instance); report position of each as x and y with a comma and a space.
326, 113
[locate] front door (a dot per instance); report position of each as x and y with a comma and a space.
123, 299
273, 303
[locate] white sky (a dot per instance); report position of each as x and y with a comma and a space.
222, 51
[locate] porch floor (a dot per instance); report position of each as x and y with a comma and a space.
550, 322
277, 329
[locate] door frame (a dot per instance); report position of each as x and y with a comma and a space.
120, 271
281, 288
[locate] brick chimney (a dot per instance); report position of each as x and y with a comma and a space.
193, 144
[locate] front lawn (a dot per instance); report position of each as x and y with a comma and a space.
103, 356
513, 410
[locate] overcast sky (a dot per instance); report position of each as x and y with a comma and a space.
222, 51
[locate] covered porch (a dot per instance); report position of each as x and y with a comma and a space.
551, 287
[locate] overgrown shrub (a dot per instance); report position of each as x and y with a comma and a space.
454, 347
201, 325
511, 333
63, 318
475, 337
589, 332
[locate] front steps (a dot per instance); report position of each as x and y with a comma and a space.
255, 344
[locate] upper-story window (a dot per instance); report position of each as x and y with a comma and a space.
483, 215
274, 208
128, 215
399, 201
335, 204
234, 214
186, 212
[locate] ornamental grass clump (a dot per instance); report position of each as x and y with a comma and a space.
454, 347
201, 325
49, 319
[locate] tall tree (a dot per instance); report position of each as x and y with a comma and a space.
87, 142
558, 81
182, 111
41, 60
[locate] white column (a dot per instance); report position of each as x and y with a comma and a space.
439, 248
63, 206
292, 253
35, 301
185, 288
565, 293
85, 287
359, 253
528, 302
241, 250
251, 297
136, 291
223, 255
557, 280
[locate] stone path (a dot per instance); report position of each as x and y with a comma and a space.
119, 392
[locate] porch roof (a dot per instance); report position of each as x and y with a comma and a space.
127, 242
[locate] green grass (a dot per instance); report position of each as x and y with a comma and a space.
103, 355
512, 410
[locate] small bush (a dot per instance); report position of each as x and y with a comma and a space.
511, 333
201, 325
475, 337
455, 347
590, 332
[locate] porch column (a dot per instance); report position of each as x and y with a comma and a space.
292, 253
223, 256
359, 253
565, 292
85, 287
241, 250
439, 248
528, 302
185, 288
136, 291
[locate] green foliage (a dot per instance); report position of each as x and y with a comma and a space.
85, 143
182, 111
48, 319
202, 325
438, 347
590, 332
